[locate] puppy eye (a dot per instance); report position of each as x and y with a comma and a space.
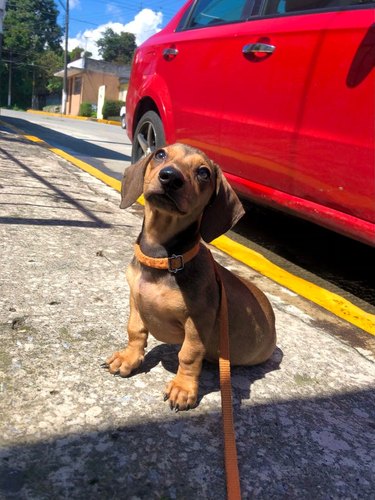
160, 154
203, 174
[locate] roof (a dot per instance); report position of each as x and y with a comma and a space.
87, 64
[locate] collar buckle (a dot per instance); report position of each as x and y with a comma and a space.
175, 263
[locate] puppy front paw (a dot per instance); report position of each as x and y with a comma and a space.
124, 362
182, 393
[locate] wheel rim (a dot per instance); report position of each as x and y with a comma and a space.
146, 138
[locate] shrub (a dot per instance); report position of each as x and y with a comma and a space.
52, 108
111, 108
85, 109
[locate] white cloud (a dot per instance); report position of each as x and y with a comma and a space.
73, 4
145, 23
114, 10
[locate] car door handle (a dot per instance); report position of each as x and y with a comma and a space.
170, 53
264, 48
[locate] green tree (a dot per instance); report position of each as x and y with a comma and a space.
30, 31
77, 52
30, 26
118, 48
48, 63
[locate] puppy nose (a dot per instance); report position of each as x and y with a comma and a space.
171, 178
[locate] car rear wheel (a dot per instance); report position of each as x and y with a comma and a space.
123, 122
149, 135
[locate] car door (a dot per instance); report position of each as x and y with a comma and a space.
293, 120
269, 59
333, 151
190, 64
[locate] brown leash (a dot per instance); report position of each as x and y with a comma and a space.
230, 449
174, 264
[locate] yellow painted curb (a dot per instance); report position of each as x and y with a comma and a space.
330, 301
34, 139
107, 179
74, 117
95, 172
108, 122
58, 115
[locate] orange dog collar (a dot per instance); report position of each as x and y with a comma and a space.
173, 264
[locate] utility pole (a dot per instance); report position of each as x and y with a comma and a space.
10, 80
2, 14
33, 98
65, 81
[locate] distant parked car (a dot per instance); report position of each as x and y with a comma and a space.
280, 93
123, 116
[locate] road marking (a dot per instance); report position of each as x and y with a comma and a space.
34, 139
330, 301
74, 117
107, 179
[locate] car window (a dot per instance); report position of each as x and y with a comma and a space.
214, 12
286, 6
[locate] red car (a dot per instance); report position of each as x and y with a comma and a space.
280, 93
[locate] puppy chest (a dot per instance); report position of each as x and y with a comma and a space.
161, 308
159, 297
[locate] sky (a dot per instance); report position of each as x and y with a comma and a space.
89, 18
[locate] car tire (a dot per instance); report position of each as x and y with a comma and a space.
148, 136
123, 122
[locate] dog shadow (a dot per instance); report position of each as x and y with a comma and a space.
242, 376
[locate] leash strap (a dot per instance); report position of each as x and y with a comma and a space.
230, 449
174, 264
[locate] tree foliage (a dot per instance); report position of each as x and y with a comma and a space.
48, 63
30, 26
77, 53
31, 48
118, 48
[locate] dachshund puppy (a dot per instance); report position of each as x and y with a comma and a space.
174, 291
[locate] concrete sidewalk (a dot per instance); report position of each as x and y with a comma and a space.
305, 420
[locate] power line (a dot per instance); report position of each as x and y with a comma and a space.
135, 6
21, 63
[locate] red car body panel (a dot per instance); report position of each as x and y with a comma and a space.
294, 129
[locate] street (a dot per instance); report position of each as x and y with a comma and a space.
106, 147
69, 429
187, 307
335, 263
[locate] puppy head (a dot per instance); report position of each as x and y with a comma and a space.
183, 181
176, 179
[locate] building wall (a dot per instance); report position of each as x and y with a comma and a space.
84, 88
74, 94
92, 82
123, 91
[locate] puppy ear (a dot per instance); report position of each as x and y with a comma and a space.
223, 211
132, 181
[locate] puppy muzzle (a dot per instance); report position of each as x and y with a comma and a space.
171, 179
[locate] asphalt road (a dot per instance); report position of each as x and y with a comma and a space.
69, 429
334, 262
105, 147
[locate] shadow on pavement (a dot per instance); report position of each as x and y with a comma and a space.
94, 222
56, 139
167, 354
155, 459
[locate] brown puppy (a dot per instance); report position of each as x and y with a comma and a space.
187, 198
